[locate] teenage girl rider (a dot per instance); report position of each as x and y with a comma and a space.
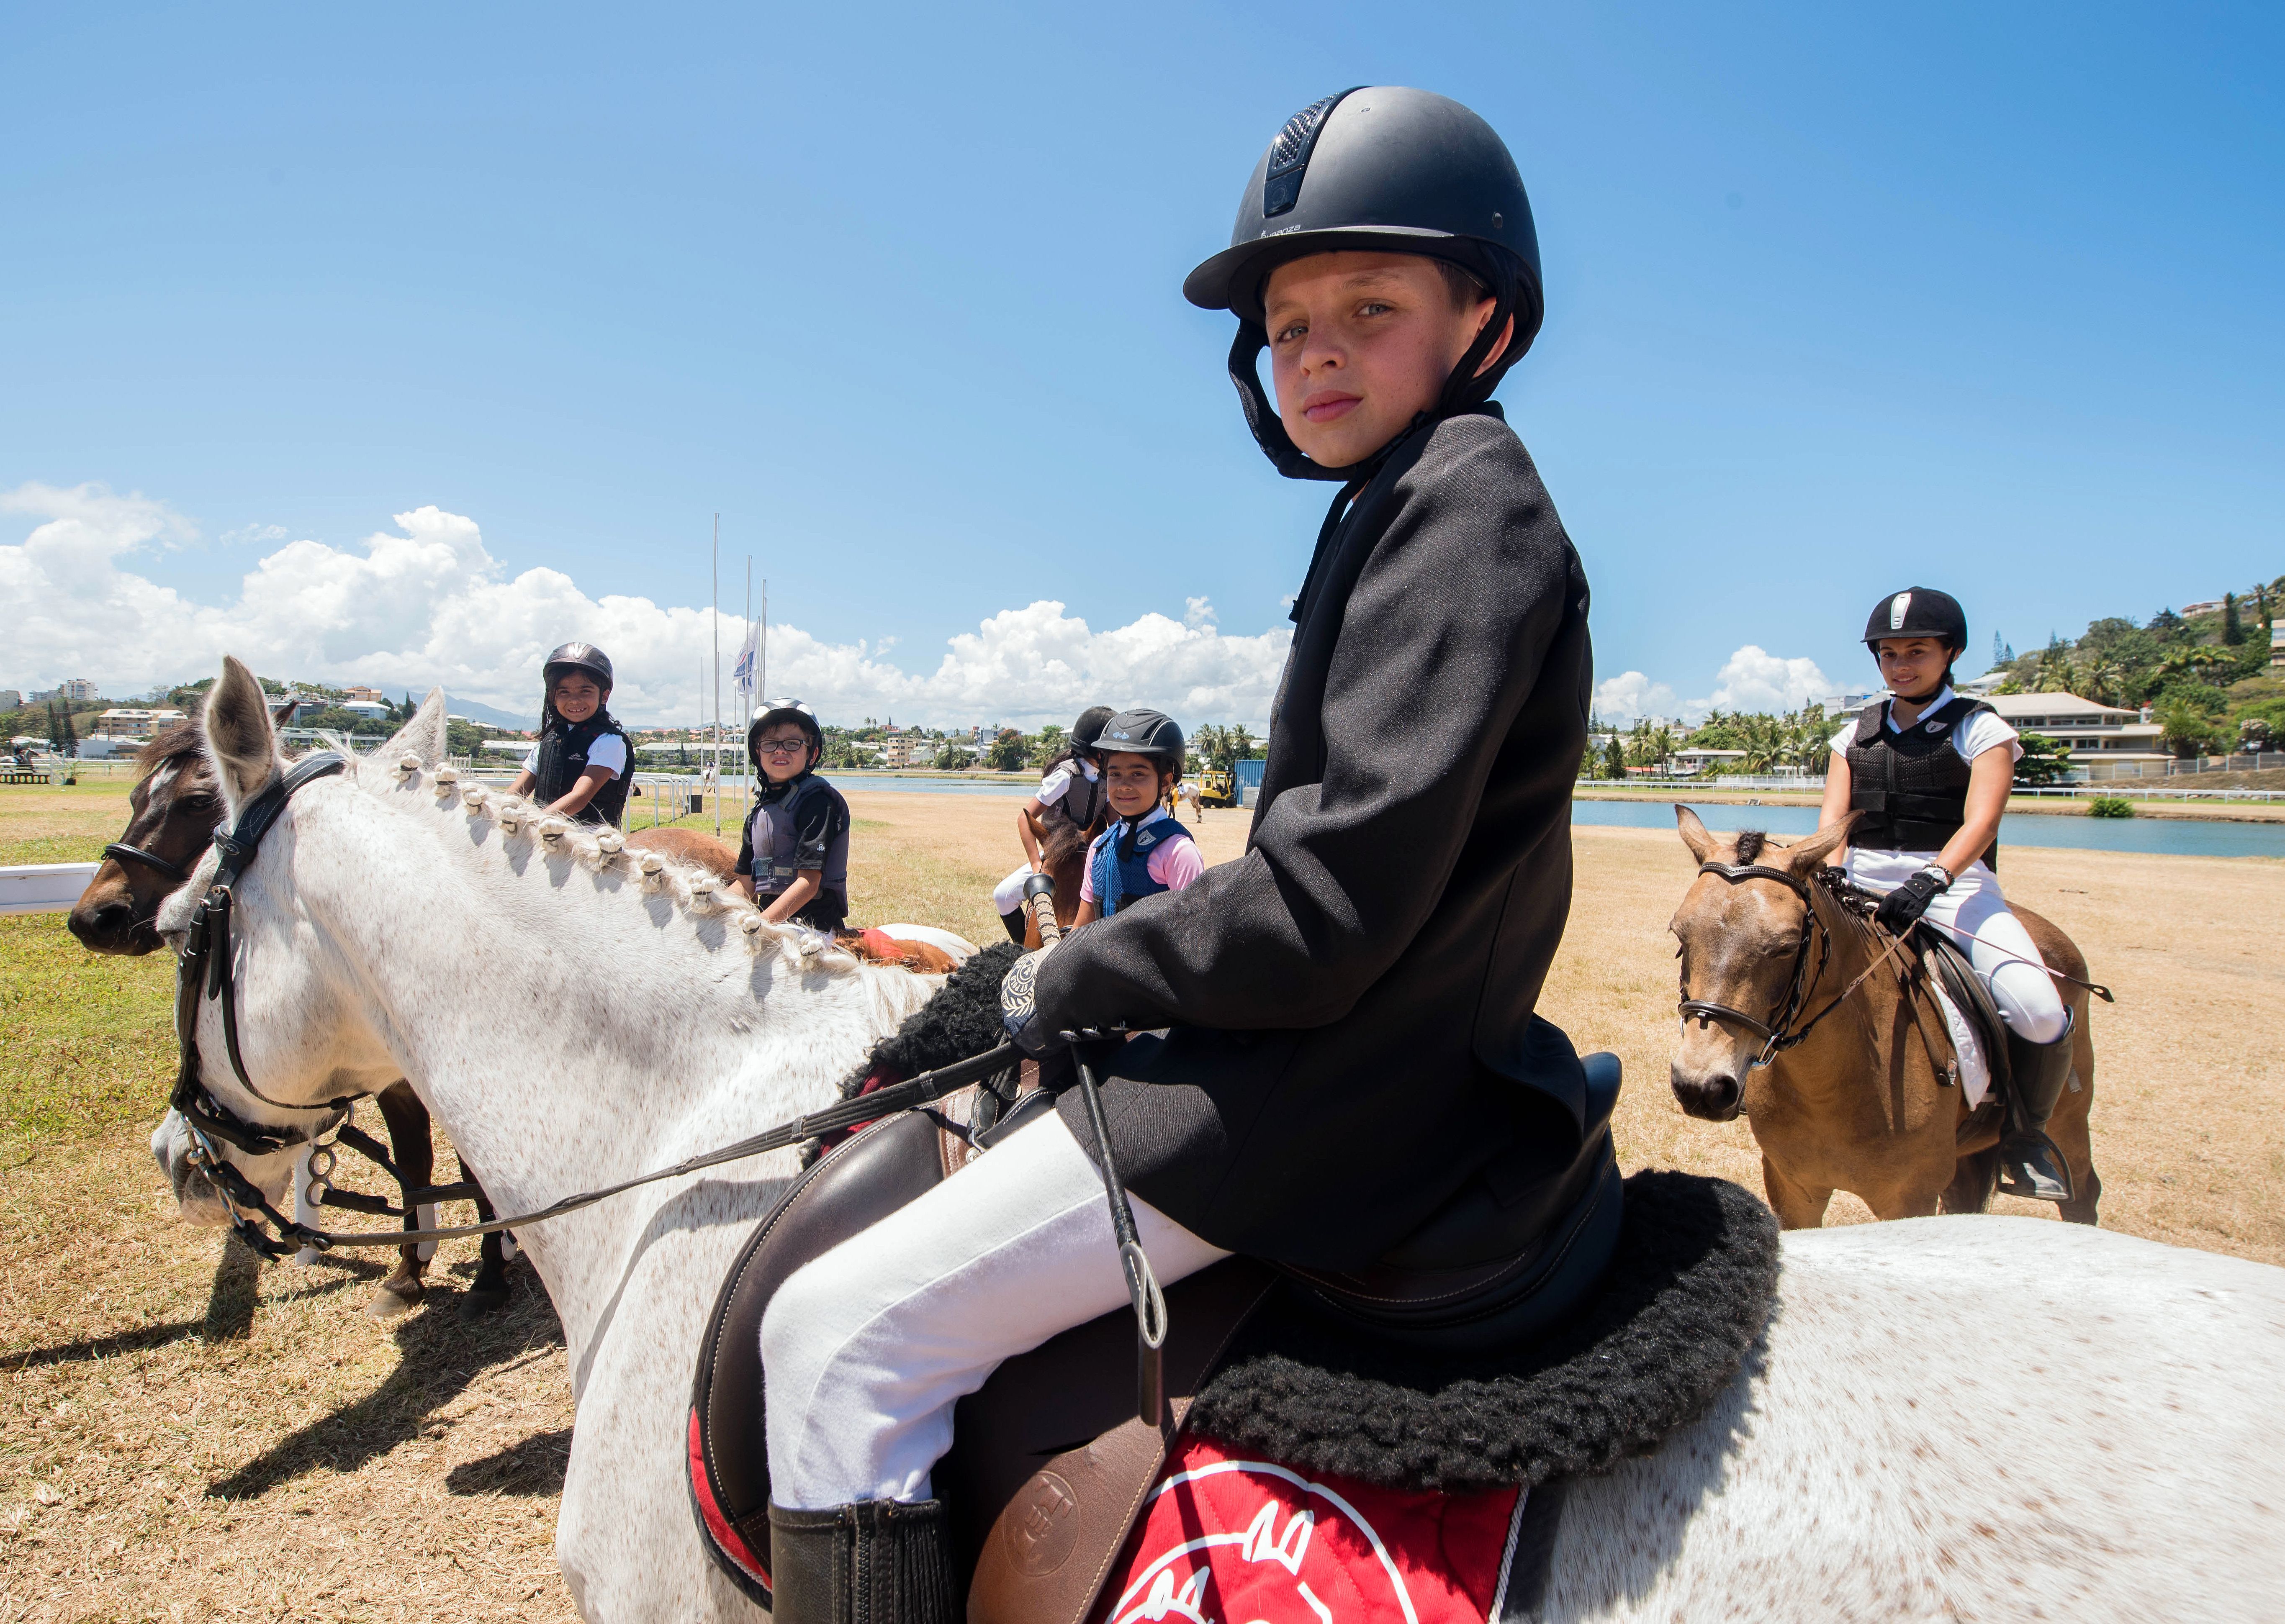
579, 767
1146, 850
1928, 773
1071, 790
795, 858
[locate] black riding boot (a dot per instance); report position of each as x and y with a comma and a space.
876, 1562
1015, 923
2029, 1163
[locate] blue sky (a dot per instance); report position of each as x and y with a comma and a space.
1838, 300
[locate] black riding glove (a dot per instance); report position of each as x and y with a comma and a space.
1901, 909
1018, 1011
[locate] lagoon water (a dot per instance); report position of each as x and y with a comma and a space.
2171, 836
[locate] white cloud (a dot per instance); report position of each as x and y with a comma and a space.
1755, 679
254, 535
1620, 699
427, 604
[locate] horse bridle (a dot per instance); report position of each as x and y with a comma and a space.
1778, 1034
204, 960
119, 851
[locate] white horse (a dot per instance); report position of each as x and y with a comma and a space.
1956, 1418
575, 1020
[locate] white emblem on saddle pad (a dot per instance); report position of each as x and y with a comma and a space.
1897, 605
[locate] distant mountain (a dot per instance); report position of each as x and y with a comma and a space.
492, 714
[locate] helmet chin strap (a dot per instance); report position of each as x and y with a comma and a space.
1464, 391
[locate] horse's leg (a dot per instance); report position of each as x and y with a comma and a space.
1798, 1206
411, 1143
487, 1293
1974, 1178
2068, 1126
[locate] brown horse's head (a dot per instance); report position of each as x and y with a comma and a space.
173, 809
1740, 943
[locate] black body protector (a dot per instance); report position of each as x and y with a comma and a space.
563, 758
1083, 803
1910, 787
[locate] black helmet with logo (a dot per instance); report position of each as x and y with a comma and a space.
1919, 611
1141, 733
1089, 728
1378, 168
774, 710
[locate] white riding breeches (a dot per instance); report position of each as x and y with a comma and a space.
865, 1349
2004, 956
1008, 895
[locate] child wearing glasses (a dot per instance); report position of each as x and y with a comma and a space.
793, 860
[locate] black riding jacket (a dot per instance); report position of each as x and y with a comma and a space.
1349, 1000
563, 757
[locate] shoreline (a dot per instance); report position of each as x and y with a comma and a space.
2224, 812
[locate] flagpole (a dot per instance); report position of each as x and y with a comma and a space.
716, 758
746, 767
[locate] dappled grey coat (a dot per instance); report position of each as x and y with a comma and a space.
1350, 999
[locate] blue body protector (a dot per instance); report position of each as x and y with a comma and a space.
1118, 862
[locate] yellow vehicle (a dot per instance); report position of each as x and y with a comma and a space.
1217, 787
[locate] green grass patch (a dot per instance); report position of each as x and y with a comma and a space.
87, 1041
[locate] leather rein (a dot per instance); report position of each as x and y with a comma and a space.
204, 964
1779, 1033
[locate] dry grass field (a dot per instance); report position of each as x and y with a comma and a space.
188, 1435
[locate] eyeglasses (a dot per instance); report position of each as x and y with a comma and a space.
780, 747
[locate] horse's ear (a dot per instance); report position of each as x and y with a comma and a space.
240, 742
1694, 834
423, 736
1803, 857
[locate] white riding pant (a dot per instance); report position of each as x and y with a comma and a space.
1008, 895
2003, 955
865, 1349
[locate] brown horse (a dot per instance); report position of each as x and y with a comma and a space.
1863, 1102
1063, 858
174, 808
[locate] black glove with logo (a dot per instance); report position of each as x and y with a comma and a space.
1019, 1013
1901, 909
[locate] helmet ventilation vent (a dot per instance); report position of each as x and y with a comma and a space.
1288, 155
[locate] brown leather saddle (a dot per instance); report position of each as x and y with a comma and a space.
1947, 967
1050, 1464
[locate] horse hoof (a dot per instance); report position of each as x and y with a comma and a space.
478, 1301
394, 1300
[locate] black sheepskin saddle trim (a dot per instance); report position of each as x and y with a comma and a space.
1689, 1293
962, 1020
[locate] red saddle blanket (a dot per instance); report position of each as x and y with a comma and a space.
1228, 1540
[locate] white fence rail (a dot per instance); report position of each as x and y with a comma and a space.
44, 887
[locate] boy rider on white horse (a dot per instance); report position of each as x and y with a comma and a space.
1928, 773
579, 767
1347, 1003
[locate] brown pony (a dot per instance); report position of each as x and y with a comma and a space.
174, 808
1862, 1103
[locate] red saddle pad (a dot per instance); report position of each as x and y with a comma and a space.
1228, 1540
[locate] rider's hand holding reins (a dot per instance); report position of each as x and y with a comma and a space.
1901, 907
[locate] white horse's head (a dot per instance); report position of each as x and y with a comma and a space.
298, 1049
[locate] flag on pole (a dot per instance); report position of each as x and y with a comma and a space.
749, 657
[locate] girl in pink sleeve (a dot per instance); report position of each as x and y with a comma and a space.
1146, 850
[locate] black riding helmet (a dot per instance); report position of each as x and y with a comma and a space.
1141, 733
1919, 611
572, 657
1387, 169
1089, 728
774, 710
